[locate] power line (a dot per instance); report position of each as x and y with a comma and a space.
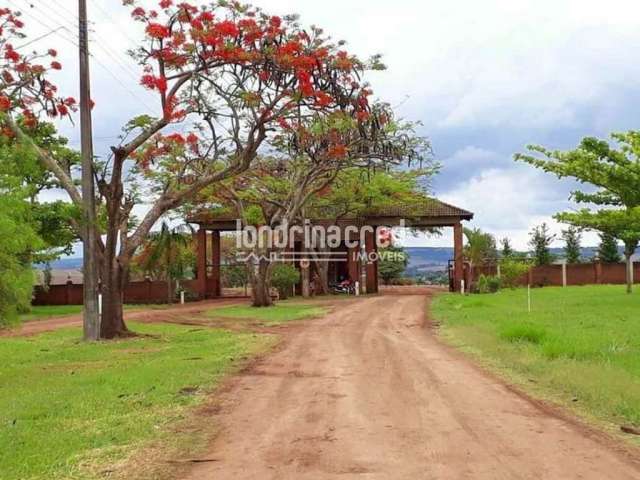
108, 18
113, 56
56, 27
38, 38
73, 41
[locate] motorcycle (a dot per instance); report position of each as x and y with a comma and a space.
347, 288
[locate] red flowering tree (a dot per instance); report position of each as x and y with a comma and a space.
228, 77
310, 154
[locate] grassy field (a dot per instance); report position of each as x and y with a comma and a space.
282, 312
579, 346
69, 409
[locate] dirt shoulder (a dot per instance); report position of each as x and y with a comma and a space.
174, 314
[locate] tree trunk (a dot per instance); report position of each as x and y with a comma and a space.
306, 281
112, 324
261, 284
322, 287
169, 289
629, 262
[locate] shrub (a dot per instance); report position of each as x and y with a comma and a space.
488, 284
495, 284
523, 332
482, 285
284, 277
511, 271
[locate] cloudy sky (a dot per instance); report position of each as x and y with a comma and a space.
485, 79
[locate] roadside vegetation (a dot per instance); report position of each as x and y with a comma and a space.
72, 409
579, 346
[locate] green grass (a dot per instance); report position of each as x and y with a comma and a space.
68, 408
281, 313
45, 312
579, 346
49, 311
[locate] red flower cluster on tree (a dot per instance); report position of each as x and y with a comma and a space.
283, 67
24, 87
173, 145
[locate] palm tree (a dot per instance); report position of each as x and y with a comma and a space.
169, 251
480, 248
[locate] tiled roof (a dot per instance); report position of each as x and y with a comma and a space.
430, 208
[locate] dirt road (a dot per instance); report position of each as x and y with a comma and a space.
368, 392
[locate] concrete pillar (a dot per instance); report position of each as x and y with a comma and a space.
458, 257
201, 262
353, 266
598, 271
372, 266
216, 260
564, 274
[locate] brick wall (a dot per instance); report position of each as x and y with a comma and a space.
146, 291
577, 274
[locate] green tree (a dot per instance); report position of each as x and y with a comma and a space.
392, 263
608, 249
622, 224
18, 241
613, 170
167, 254
480, 247
572, 249
52, 221
507, 249
540, 240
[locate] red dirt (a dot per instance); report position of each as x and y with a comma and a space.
174, 314
368, 391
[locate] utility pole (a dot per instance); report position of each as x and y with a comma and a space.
91, 317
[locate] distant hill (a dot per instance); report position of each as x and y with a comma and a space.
63, 264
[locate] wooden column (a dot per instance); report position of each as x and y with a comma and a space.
372, 267
201, 262
458, 257
216, 259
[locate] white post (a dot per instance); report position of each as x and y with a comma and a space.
462, 287
499, 271
564, 273
100, 305
182, 297
529, 297
357, 289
